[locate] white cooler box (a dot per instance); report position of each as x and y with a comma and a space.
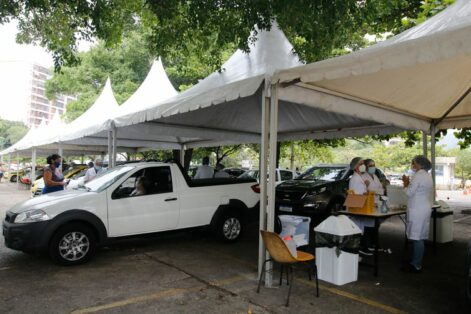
334, 265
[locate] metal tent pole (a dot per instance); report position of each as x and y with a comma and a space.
272, 172
424, 143
9, 167
263, 176
17, 170
33, 166
114, 148
433, 152
182, 155
110, 150
60, 152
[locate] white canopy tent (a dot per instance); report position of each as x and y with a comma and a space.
155, 88
407, 82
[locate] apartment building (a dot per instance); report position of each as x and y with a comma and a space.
40, 108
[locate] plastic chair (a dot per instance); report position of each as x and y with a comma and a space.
280, 254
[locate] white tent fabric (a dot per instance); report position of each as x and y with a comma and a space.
410, 80
155, 88
99, 112
225, 107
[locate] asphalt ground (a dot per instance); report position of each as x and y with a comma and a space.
191, 272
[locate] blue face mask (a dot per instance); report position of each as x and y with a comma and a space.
372, 170
57, 164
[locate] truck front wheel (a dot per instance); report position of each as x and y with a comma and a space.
229, 226
72, 244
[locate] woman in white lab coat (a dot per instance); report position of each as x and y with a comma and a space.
419, 190
359, 185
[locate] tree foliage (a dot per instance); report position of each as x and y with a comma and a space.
11, 132
317, 28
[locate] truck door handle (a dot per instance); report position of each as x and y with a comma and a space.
171, 199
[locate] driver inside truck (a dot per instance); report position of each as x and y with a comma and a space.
141, 187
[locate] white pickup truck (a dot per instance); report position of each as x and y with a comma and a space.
70, 224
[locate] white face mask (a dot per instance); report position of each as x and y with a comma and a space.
362, 168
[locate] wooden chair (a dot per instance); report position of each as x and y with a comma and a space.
280, 254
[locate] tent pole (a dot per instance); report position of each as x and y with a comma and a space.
433, 152
424, 143
114, 135
272, 170
182, 155
60, 152
17, 170
109, 149
263, 176
33, 166
9, 167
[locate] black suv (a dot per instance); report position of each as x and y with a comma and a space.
316, 193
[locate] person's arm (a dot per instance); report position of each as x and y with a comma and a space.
48, 180
412, 186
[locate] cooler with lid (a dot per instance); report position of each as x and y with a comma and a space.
337, 243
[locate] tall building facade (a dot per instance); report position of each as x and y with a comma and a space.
40, 108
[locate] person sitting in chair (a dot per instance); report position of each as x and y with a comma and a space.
140, 187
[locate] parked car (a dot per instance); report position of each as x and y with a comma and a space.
70, 224
38, 185
281, 175
316, 193
234, 172
395, 179
25, 175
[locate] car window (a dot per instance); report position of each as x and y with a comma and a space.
286, 175
109, 177
322, 173
148, 181
251, 174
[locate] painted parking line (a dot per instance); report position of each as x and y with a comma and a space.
155, 296
354, 297
335, 291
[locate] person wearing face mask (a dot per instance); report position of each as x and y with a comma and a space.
359, 184
419, 208
375, 183
53, 178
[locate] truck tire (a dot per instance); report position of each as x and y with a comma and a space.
13, 178
229, 225
72, 244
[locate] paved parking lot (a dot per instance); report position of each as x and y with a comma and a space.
190, 272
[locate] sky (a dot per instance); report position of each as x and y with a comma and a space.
15, 64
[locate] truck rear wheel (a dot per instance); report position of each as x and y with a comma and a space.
72, 244
229, 226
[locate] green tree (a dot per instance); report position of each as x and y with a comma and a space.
317, 28
11, 132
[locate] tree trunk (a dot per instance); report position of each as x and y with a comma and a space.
292, 156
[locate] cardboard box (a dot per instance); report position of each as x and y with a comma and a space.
356, 203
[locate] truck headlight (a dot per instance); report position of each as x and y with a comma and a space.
33, 215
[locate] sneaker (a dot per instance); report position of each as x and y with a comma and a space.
408, 268
365, 253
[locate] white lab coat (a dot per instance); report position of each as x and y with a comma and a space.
358, 186
419, 205
204, 172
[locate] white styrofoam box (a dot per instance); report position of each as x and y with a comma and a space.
338, 225
444, 229
338, 270
297, 227
397, 196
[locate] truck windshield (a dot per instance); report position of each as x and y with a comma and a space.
322, 173
106, 179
